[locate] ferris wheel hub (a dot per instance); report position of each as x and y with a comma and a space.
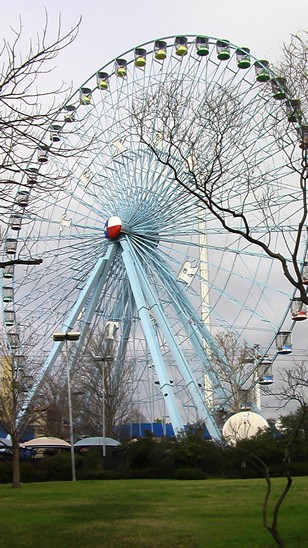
113, 227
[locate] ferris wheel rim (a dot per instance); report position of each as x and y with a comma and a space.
131, 61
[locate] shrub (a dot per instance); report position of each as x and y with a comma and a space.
6, 472
89, 462
189, 474
28, 473
99, 475
55, 468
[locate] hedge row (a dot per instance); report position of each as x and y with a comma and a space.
189, 457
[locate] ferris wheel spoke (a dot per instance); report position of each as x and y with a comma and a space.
158, 131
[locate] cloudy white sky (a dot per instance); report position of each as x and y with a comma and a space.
110, 27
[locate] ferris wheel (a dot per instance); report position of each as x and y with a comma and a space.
125, 246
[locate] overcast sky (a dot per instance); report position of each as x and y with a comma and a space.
111, 27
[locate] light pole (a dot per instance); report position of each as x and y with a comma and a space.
69, 336
104, 415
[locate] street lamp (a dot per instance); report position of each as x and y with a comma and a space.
69, 336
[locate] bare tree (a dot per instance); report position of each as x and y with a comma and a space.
34, 119
293, 66
27, 108
54, 398
17, 375
237, 371
98, 383
100, 376
219, 146
294, 388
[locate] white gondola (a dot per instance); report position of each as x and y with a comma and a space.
262, 71
202, 45
22, 198
298, 310
223, 50
243, 58
279, 88
42, 154
7, 294
85, 96
180, 44
14, 341
55, 133
11, 246
304, 138
8, 271
294, 112
284, 342
32, 174
305, 273
102, 79
9, 317
69, 113
110, 330
120, 67
15, 222
245, 399
140, 57
160, 50
265, 371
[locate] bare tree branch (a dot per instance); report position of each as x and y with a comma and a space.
207, 143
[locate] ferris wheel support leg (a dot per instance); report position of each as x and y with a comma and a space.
119, 312
181, 361
96, 280
151, 339
198, 344
199, 335
202, 333
161, 319
89, 309
99, 274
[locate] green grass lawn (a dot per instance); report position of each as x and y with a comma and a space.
149, 513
